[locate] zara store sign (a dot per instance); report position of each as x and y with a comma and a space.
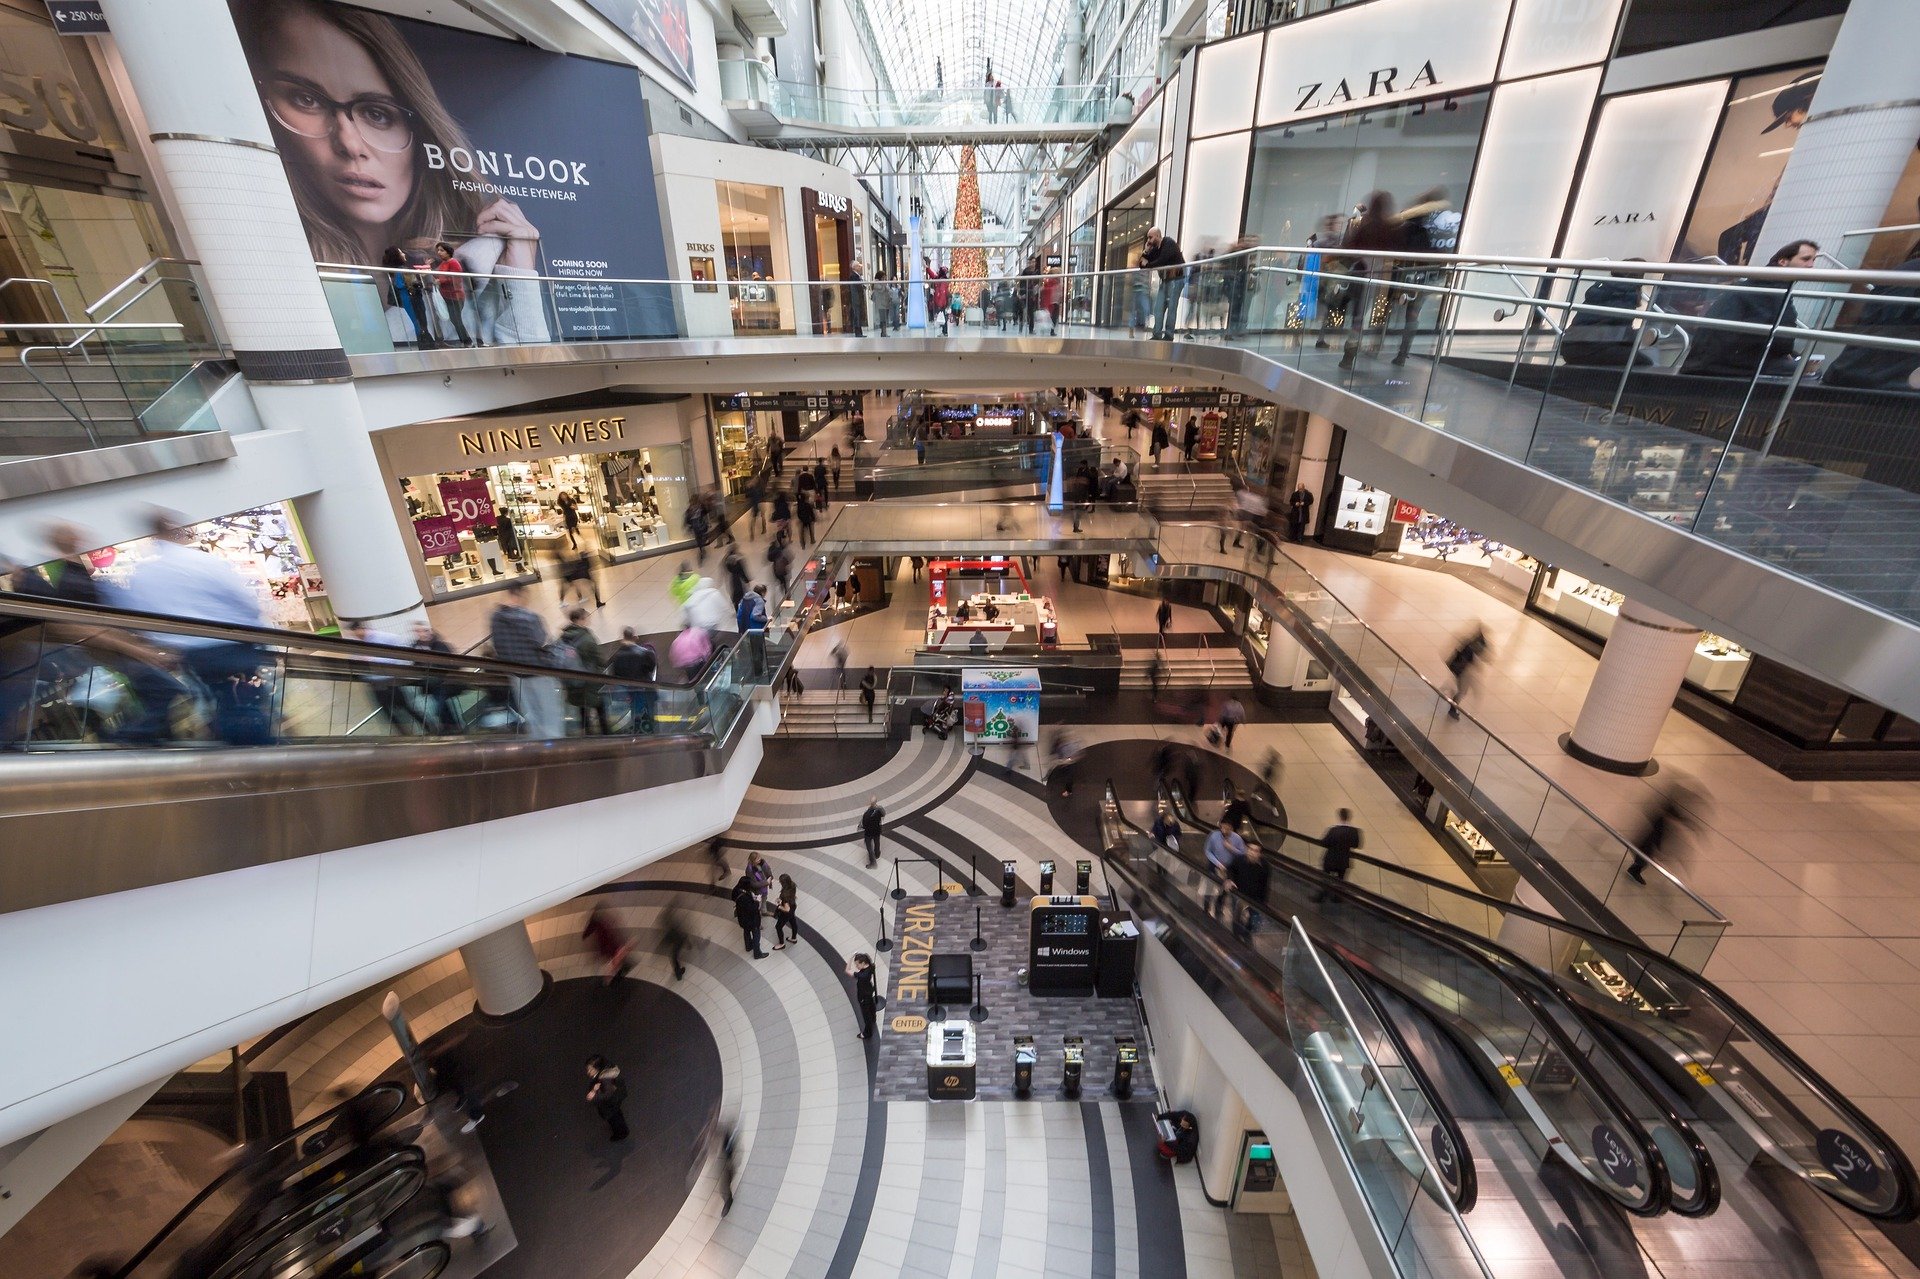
1376, 54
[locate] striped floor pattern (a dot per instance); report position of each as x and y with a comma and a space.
832, 1185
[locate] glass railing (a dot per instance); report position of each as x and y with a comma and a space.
1518, 807
1007, 106
1562, 1094
870, 528
1775, 412
1355, 1071
1710, 1048
75, 678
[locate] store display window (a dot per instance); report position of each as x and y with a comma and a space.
268, 548
1361, 508
1307, 172
623, 505
742, 437
753, 243
1717, 667
1433, 536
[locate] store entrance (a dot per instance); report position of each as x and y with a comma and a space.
82, 243
1125, 237
829, 269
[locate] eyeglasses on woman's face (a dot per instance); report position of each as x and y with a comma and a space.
300, 108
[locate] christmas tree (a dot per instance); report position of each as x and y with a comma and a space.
969, 268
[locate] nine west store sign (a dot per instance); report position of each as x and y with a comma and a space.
1373, 54
470, 443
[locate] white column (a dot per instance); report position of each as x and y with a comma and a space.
210, 137
1316, 453
1858, 136
1639, 676
505, 975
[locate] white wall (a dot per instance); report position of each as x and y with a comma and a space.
847, 64
1183, 1018
133, 986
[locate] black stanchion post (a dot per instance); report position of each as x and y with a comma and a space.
978, 942
939, 880
979, 1010
973, 875
885, 943
898, 892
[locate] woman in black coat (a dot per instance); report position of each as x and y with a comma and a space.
1730, 353
865, 992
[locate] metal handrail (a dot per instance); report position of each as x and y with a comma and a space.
1278, 551
101, 301
59, 302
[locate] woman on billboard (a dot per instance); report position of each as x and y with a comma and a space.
353, 112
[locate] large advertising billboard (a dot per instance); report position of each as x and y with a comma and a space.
1757, 131
658, 26
398, 136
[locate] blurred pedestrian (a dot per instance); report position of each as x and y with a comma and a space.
1066, 762
1163, 619
1271, 770
1249, 878
674, 938
588, 696
820, 482
756, 504
833, 467
738, 578
1232, 715
1461, 663
1342, 840
752, 621
786, 913
869, 685
717, 858
608, 1096
577, 576
1222, 847
840, 664
685, 582
803, 513
614, 947
1657, 826
691, 650
633, 659
1166, 828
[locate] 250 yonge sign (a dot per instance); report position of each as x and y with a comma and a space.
399, 135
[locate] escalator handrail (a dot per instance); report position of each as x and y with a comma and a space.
1658, 1179
1469, 1193
320, 1120
1745, 1023
1540, 987
391, 659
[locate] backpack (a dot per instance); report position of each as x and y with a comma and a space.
565, 656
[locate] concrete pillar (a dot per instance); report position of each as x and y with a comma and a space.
505, 975
1639, 676
1316, 454
210, 138
1858, 136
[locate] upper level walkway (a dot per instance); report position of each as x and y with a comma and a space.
769, 109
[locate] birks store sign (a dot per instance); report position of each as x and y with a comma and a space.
1375, 54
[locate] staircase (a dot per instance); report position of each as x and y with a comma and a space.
1178, 493
34, 423
830, 713
1202, 667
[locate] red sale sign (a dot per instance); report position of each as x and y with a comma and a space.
467, 502
1405, 512
438, 537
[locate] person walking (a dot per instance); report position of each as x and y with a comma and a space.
1066, 762
820, 477
1342, 839
1378, 228
803, 511
518, 635
608, 1096
1189, 438
865, 993
776, 454
569, 516
1460, 664
1657, 827
577, 576
746, 912
613, 946
870, 829
1163, 256
756, 505
869, 683
1223, 846
674, 939
786, 914
1166, 829
1163, 618
1232, 715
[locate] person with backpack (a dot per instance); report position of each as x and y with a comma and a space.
751, 618
696, 521
1460, 664
737, 580
1431, 225
584, 694
632, 659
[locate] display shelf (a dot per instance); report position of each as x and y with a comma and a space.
1361, 508
1469, 840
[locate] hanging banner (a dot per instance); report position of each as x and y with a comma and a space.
467, 503
438, 537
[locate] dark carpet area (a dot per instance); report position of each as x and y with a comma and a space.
1129, 765
583, 1206
811, 763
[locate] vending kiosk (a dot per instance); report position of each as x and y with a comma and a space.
1063, 945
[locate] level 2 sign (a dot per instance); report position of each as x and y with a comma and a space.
77, 17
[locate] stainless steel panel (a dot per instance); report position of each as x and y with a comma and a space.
29, 476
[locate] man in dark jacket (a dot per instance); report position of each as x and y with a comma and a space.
870, 828
1163, 255
1606, 341
1299, 513
1729, 353
633, 660
608, 1096
1341, 840
1876, 369
1249, 876
746, 911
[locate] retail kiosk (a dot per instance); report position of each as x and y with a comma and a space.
986, 605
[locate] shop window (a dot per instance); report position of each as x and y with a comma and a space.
268, 548
753, 243
1309, 177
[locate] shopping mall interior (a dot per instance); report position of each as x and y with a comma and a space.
1069, 639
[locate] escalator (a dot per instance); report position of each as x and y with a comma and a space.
1716, 1063
1563, 1099
332, 1219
